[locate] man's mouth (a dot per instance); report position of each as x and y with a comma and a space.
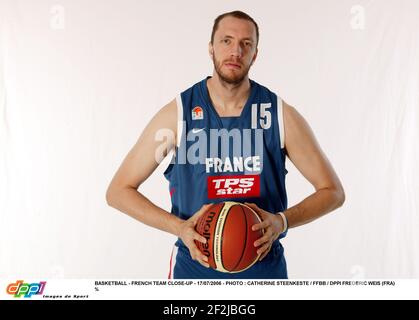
233, 65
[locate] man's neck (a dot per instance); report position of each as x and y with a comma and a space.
228, 99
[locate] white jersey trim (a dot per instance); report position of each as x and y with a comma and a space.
281, 122
179, 104
173, 261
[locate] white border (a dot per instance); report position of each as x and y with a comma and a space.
239, 289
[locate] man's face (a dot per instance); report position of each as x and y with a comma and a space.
234, 49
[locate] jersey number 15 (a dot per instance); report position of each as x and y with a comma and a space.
265, 118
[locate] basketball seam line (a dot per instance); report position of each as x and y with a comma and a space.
213, 239
245, 239
222, 236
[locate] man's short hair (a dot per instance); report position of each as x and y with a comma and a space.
236, 14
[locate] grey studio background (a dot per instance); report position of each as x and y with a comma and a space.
79, 80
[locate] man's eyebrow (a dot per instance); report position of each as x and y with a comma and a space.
231, 37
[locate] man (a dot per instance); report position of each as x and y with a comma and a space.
264, 130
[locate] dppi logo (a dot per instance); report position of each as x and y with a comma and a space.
26, 289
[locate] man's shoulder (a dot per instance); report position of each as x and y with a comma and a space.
191, 96
267, 91
194, 86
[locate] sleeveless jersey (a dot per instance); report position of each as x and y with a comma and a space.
220, 159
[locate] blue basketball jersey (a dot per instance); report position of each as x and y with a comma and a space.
220, 159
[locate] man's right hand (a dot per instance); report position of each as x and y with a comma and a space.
188, 234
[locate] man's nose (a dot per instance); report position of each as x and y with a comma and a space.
237, 50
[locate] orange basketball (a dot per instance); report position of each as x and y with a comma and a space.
227, 226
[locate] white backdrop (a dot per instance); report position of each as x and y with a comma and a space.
79, 80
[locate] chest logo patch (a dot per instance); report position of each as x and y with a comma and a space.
197, 113
239, 186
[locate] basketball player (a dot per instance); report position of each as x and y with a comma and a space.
227, 104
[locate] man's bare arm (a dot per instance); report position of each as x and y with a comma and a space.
137, 166
307, 156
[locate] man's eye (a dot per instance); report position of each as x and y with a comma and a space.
226, 40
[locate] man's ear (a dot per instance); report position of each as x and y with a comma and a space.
254, 56
210, 49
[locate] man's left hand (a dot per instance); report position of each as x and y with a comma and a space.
272, 225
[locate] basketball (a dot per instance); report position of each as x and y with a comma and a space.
227, 226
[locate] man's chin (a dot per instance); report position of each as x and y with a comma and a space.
236, 79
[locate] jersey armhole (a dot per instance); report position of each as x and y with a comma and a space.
174, 152
179, 132
280, 116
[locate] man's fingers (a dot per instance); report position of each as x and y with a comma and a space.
253, 206
201, 258
205, 207
262, 225
201, 211
202, 262
206, 265
261, 240
265, 253
196, 254
263, 248
199, 238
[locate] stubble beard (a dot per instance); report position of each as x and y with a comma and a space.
233, 78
